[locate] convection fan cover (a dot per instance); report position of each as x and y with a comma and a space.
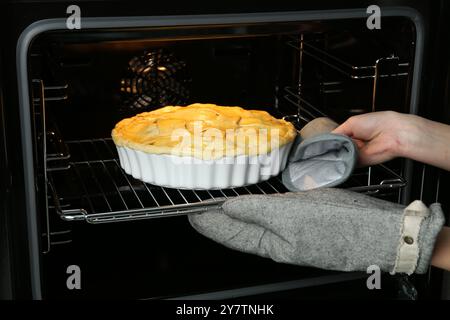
155, 79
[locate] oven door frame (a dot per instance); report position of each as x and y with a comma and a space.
59, 24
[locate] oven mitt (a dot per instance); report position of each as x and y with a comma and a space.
319, 158
327, 228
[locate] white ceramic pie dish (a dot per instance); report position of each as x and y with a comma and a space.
184, 172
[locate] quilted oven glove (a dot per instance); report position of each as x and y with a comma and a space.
319, 158
327, 228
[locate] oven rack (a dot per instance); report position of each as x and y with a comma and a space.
305, 110
388, 66
95, 188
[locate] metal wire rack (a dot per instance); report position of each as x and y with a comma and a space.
97, 190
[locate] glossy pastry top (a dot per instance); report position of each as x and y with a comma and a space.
205, 131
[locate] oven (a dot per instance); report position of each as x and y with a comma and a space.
68, 205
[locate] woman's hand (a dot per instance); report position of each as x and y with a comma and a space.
378, 135
382, 136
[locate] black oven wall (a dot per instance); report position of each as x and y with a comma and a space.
434, 183
5, 180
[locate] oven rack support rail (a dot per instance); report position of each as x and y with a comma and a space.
389, 66
95, 189
383, 67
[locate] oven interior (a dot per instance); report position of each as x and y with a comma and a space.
132, 239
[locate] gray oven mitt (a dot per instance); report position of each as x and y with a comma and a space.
319, 158
327, 228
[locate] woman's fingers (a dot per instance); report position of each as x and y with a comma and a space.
363, 127
376, 151
359, 143
345, 129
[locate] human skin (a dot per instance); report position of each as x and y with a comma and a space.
383, 136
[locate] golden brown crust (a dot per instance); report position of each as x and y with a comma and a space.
205, 131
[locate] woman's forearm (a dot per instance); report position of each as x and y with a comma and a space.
425, 141
441, 253
428, 142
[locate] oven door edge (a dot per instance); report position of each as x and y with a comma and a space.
41, 26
